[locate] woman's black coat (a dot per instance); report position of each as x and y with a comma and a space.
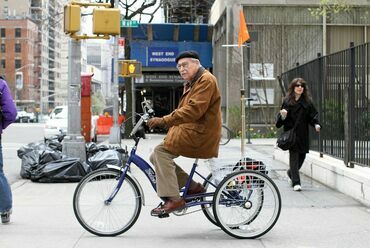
309, 116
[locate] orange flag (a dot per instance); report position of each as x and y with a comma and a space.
243, 35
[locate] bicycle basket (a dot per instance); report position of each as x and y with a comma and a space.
220, 168
251, 164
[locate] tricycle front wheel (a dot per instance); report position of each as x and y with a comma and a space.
99, 214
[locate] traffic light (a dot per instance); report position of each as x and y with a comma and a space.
72, 18
106, 21
130, 68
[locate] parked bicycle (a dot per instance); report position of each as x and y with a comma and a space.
226, 134
245, 204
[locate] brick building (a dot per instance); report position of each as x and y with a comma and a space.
18, 41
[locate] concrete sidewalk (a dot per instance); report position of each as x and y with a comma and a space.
316, 217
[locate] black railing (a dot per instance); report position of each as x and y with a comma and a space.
340, 87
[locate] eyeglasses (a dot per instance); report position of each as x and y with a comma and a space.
185, 65
299, 85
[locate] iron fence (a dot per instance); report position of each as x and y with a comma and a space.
340, 88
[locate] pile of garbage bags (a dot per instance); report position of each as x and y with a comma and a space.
44, 162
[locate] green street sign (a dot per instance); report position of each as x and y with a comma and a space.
129, 23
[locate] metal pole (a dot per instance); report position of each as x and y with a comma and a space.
115, 134
249, 92
242, 99
74, 142
249, 120
133, 101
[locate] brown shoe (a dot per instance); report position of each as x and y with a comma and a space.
198, 189
168, 207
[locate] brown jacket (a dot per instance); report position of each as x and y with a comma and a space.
195, 126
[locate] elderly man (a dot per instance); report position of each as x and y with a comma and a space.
194, 128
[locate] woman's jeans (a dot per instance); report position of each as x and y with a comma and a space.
5, 192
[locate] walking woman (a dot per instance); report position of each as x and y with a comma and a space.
298, 107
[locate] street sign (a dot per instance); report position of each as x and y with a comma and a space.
129, 23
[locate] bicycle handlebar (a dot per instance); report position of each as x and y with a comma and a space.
148, 113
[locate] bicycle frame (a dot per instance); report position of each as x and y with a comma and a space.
150, 174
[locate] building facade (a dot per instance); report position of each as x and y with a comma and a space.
283, 33
156, 46
18, 57
47, 15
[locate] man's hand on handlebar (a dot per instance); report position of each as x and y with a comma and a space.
156, 122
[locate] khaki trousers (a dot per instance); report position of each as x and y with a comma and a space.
170, 177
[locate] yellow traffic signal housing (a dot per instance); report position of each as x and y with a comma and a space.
130, 68
72, 18
106, 21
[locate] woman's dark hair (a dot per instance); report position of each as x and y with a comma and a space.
290, 96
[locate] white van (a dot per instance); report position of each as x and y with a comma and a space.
58, 122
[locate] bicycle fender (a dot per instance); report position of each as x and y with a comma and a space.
115, 167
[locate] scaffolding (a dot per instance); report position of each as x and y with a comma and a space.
187, 11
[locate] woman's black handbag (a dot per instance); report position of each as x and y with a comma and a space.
287, 139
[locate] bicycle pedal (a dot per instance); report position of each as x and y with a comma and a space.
164, 215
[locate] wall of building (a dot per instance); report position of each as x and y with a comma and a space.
14, 9
284, 33
48, 16
29, 94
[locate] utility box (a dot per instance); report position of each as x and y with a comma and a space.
106, 21
72, 18
86, 106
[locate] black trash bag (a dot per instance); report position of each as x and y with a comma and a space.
55, 145
103, 147
30, 162
102, 158
30, 147
60, 171
49, 155
91, 149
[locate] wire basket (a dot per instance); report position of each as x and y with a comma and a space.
220, 169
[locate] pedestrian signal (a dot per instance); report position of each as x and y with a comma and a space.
106, 21
130, 68
72, 18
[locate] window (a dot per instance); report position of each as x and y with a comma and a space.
2, 63
18, 32
2, 32
2, 48
18, 63
18, 48
6, 11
